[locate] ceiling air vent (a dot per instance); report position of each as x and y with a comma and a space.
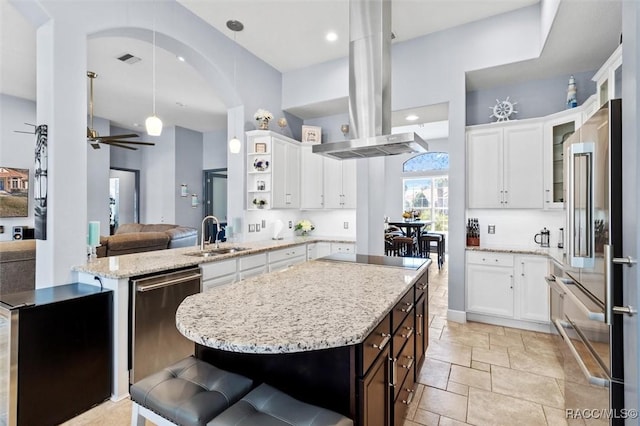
129, 59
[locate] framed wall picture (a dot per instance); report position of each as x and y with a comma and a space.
260, 147
311, 134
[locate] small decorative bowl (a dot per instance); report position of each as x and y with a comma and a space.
260, 165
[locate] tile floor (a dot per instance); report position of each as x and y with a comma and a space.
474, 373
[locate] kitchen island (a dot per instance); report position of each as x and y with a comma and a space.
346, 336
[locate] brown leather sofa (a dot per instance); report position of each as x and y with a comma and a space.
17, 266
137, 237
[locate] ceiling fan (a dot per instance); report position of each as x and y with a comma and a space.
116, 140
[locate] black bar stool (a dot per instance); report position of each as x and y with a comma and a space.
432, 239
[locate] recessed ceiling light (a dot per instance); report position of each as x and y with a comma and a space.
411, 117
181, 58
331, 36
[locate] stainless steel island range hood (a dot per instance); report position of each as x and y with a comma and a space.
369, 88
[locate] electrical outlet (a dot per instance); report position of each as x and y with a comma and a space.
346, 225
257, 227
290, 224
264, 223
492, 229
252, 227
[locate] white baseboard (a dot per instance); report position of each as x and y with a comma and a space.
456, 316
507, 322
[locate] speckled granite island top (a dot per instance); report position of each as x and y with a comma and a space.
314, 305
131, 265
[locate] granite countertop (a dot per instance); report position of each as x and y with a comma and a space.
130, 265
313, 305
554, 253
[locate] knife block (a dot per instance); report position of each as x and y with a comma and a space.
473, 241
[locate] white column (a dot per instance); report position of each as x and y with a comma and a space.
236, 194
61, 105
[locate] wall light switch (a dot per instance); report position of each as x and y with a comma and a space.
290, 224
492, 229
264, 223
257, 227
346, 225
252, 227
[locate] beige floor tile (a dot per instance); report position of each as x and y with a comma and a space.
543, 363
485, 328
458, 388
492, 409
444, 403
426, 418
506, 340
435, 333
470, 377
449, 352
498, 355
482, 366
465, 337
410, 423
523, 385
538, 344
446, 421
434, 373
555, 416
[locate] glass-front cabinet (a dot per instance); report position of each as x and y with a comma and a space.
557, 129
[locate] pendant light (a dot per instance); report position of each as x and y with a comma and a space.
153, 123
234, 143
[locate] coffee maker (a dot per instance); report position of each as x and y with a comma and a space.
544, 238
561, 238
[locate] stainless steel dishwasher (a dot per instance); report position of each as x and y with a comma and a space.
155, 342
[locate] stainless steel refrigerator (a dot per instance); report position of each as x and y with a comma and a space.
592, 283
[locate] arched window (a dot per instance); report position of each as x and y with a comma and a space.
426, 188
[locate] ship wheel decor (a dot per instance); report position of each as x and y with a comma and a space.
502, 110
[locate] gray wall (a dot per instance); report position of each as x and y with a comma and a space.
126, 202
188, 156
98, 179
330, 126
534, 98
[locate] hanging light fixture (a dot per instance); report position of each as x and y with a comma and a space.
234, 143
153, 123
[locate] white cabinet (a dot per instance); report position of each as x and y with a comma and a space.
311, 179
339, 184
218, 273
273, 171
325, 182
505, 166
287, 257
490, 284
609, 78
343, 248
286, 174
318, 250
532, 291
249, 266
557, 128
507, 286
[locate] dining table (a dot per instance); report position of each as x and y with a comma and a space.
411, 228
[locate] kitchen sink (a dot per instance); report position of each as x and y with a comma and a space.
216, 251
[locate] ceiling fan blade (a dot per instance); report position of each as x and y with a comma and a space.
119, 145
130, 135
95, 145
109, 139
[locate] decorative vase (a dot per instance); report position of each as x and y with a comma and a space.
263, 124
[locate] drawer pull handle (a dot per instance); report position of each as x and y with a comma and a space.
409, 334
394, 372
409, 398
419, 332
408, 308
385, 340
408, 367
422, 286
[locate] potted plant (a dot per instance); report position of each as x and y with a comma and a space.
304, 226
259, 202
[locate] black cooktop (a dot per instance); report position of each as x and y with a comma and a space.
392, 261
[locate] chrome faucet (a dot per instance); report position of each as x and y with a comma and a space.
217, 232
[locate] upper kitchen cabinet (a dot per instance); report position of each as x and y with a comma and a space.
557, 128
327, 183
609, 78
505, 165
273, 171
